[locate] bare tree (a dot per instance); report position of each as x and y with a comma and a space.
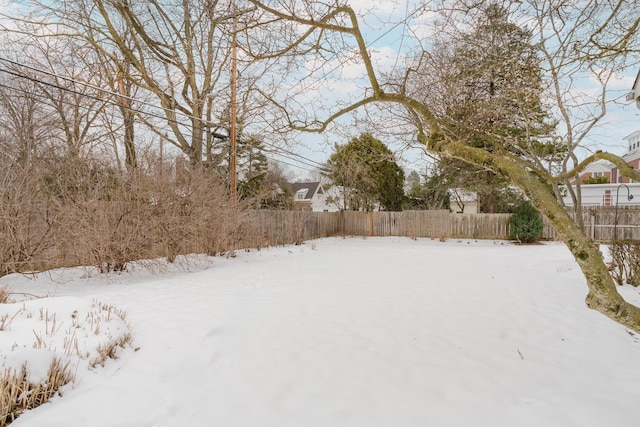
70, 84
177, 51
331, 33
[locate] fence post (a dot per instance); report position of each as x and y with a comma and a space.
370, 223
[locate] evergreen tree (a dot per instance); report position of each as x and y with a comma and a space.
252, 167
368, 173
251, 164
494, 88
525, 225
433, 193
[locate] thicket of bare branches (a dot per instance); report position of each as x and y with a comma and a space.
65, 196
80, 211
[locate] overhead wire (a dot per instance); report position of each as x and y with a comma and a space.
314, 163
97, 98
306, 161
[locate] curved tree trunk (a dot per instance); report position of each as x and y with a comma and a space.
603, 295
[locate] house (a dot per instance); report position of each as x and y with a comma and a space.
632, 157
463, 201
600, 169
311, 196
332, 200
634, 95
607, 195
619, 188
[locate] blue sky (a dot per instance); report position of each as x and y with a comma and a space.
390, 34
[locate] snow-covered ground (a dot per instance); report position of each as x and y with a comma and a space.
346, 332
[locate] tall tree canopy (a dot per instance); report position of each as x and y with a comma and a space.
176, 52
488, 92
367, 170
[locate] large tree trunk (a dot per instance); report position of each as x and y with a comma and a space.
603, 295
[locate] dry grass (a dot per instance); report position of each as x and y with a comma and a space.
17, 394
5, 293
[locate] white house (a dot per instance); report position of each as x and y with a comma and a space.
634, 95
306, 194
608, 195
463, 201
619, 189
311, 196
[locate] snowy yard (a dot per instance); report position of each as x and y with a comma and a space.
347, 332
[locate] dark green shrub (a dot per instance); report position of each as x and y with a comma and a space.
525, 225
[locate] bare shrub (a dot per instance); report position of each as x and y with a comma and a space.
18, 394
27, 220
625, 262
72, 210
104, 217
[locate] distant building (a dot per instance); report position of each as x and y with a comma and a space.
607, 195
311, 196
632, 157
634, 95
463, 201
601, 169
611, 194
614, 193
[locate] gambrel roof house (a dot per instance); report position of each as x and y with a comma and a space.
305, 194
311, 196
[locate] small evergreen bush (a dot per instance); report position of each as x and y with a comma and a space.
525, 225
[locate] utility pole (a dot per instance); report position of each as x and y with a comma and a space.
233, 132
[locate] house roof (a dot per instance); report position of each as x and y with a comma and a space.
599, 166
310, 189
634, 95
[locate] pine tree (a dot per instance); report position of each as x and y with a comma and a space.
494, 88
369, 174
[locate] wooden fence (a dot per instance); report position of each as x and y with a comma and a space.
261, 228
607, 224
282, 227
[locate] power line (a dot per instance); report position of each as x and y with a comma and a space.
103, 90
290, 164
305, 161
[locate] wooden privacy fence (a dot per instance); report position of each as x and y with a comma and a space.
605, 224
121, 233
282, 227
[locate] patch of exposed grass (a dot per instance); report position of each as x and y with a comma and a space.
5, 293
18, 394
